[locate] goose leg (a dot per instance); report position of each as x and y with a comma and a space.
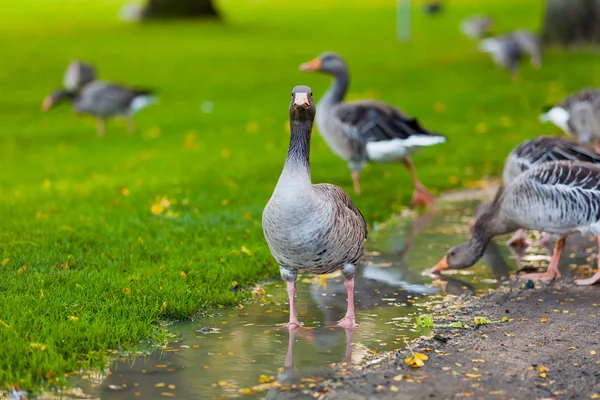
290, 280
289, 357
349, 320
421, 196
594, 279
552, 272
130, 124
348, 356
101, 127
291, 289
546, 243
356, 181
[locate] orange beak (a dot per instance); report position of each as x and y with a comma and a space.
46, 104
441, 266
301, 101
312, 65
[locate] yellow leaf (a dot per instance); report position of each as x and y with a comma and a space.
421, 356
246, 391
245, 250
472, 375
478, 361
73, 318
167, 394
171, 387
593, 352
124, 191
595, 396
414, 362
543, 320
571, 347
159, 385
264, 379
397, 378
394, 389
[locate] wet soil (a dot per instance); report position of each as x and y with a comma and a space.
548, 348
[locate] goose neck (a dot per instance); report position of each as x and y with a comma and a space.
339, 87
297, 162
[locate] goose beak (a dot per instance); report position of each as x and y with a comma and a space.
312, 65
301, 101
441, 266
47, 103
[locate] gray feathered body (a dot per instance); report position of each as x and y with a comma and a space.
556, 197
368, 130
106, 100
544, 149
317, 230
77, 75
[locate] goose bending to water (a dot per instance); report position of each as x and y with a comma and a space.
102, 100
556, 197
578, 115
311, 228
77, 75
529, 154
365, 131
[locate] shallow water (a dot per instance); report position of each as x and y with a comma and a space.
229, 353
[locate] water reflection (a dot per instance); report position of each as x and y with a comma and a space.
242, 350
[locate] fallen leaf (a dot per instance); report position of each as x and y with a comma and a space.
478, 361
414, 361
394, 389
159, 385
544, 319
397, 378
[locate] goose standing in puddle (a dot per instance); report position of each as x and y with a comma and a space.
311, 228
367, 130
556, 197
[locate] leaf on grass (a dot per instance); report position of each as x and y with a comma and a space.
73, 318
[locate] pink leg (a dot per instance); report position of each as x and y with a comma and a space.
594, 279
546, 243
349, 320
552, 272
291, 289
422, 196
356, 181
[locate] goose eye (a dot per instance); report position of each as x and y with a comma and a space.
311, 93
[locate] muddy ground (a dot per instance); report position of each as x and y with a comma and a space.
549, 348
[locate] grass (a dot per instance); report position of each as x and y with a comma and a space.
86, 266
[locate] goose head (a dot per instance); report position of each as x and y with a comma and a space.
302, 106
458, 257
328, 63
54, 98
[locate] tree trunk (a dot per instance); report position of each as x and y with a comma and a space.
179, 9
570, 22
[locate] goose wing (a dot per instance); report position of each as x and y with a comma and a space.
345, 209
107, 99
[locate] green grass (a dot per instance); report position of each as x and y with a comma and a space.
85, 268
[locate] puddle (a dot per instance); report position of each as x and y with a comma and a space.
227, 354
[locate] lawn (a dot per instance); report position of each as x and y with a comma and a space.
103, 237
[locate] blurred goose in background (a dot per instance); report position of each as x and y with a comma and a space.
578, 115
311, 228
476, 27
505, 51
102, 100
367, 130
433, 7
556, 197
77, 75
527, 155
529, 44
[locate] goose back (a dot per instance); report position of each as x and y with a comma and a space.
555, 197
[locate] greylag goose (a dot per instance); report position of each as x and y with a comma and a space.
560, 197
529, 44
311, 228
364, 131
102, 100
77, 75
505, 51
529, 154
578, 115
476, 27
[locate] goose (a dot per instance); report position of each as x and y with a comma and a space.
476, 27
102, 100
529, 44
78, 74
364, 131
529, 154
311, 227
561, 198
578, 115
505, 51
